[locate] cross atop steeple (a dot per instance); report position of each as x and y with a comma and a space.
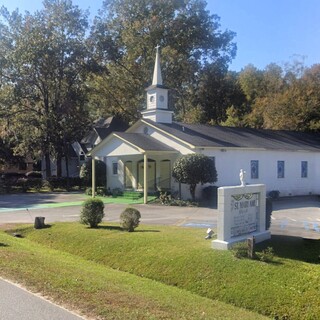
157, 77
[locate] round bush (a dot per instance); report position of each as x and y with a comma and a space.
34, 174
130, 219
92, 212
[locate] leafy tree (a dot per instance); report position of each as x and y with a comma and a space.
193, 169
217, 90
100, 170
279, 98
125, 35
43, 66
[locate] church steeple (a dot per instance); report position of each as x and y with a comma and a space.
157, 77
157, 96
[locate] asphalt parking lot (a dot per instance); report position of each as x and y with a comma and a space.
295, 216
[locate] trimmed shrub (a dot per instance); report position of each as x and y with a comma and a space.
116, 192
88, 191
266, 255
34, 174
30, 183
62, 182
101, 191
274, 194
92, 212
130, 219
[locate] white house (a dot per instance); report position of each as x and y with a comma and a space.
141, 158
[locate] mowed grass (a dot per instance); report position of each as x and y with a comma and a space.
176, 258
96, 290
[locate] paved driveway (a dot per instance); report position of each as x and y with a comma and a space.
25, 207
296, 216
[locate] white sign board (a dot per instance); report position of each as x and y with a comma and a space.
245, 210
242, 214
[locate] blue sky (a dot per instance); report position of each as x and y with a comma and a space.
268, 31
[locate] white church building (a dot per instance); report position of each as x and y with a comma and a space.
141, 158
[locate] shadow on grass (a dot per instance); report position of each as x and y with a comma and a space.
118, 228
46, 226
3, 244
146, 230
112, 228
295, 248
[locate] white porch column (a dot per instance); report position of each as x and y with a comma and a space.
145, 178
93, 179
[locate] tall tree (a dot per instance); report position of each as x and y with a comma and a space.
125, 35
43, 67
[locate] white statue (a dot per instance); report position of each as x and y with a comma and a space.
209, 234
242, 176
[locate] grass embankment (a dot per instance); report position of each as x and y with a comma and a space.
288, 288
97, 290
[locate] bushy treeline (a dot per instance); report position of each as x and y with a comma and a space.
59, 72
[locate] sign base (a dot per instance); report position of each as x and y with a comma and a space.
226, 245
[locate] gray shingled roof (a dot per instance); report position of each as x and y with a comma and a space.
200, 135
144, 141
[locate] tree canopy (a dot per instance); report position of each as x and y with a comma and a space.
280, 98
43, 68
125, 34
57, 73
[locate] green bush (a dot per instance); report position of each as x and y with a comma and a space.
56, 183
240, 250
62, 182
274, 194
101, 191
34, 174
88, 191
92, 212
130, 219
26, 184
266, 255
116, 192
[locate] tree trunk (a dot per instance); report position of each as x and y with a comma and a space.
193, 191
59, 165
48, 164
67, 168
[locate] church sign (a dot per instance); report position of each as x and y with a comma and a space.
245, 210
241, 215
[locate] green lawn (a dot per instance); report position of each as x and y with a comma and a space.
172, 272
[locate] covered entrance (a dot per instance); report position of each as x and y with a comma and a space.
151, 175
135, 161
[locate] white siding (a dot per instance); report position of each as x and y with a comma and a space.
229, 163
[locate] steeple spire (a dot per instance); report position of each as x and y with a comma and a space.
157, 77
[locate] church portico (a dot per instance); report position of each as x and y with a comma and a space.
135, 171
